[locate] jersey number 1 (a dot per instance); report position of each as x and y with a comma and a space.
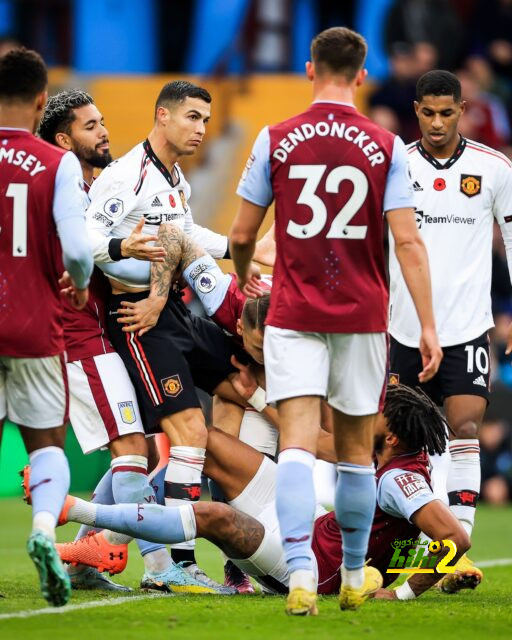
340, 228
19, 194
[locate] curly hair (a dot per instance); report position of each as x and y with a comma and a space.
415, 419
23, 75
59, 113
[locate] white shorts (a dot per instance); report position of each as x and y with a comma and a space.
267, 565
349, 369
258, 432
102, 401
34, 391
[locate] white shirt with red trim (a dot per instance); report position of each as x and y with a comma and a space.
134, 186
456, 202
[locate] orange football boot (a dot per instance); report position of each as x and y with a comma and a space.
27, 497
95, 551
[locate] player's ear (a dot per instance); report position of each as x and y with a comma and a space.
462, 106
41, 99
361, 77
239, 327
416, 107
162, 115
310, 70
63, 140
392, 439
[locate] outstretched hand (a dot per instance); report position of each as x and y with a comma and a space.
136, 245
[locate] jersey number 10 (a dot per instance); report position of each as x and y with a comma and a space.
340, 228
19, 194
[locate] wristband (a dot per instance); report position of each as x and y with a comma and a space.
114, 249
257, 400
404, 592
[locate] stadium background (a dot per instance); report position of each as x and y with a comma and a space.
250, 55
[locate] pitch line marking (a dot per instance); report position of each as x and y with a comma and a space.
498, 562
29, 613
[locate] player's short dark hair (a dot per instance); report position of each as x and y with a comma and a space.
23, 75
179, 91
415, 419
339, 50
59, 113
438, 83
255, 312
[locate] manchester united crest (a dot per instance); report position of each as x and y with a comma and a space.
470, 185
172, 386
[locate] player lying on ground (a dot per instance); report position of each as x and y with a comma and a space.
247, 529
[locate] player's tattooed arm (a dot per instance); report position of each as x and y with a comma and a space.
237, 534
190, 251
143, 315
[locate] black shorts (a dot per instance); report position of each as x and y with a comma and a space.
166, 364
464, 370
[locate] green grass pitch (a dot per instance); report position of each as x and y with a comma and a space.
486, 612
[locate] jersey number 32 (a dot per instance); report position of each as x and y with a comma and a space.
340, 227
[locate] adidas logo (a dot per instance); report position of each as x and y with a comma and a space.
417, 187
479, 381
156, 202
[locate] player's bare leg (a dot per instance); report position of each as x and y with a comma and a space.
355, 505
464, 414
299, 422
48, 488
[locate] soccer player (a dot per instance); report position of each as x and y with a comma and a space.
40, 197
332, 173
181, 351
460, 186
248, 531
103, 404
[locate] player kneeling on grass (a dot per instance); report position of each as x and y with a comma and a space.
247, 530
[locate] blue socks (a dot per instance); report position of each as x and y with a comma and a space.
354, 504
148, 521
130, 484
49, 485
102, 495
295, 505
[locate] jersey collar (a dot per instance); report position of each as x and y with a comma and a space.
160, 165
451, 160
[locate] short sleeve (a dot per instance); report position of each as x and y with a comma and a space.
502, 205
255, 185
399, 193
401, 493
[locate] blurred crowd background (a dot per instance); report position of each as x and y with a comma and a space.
250, 54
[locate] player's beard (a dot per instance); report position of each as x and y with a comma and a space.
96, 159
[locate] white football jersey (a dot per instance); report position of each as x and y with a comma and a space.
456, 202
139, 185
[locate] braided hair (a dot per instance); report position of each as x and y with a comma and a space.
415, 419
